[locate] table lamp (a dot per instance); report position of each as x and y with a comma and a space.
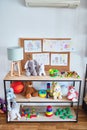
15, 54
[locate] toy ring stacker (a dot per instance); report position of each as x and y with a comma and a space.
42, 93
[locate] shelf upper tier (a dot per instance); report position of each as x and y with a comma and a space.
39, 78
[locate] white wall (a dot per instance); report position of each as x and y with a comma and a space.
18, 21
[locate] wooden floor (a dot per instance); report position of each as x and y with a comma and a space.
80, 125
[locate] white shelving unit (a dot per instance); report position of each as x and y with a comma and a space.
44, 102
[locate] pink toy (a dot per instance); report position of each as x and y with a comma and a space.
72, 94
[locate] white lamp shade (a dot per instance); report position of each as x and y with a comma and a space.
15, 53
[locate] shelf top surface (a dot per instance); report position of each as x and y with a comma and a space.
8, 77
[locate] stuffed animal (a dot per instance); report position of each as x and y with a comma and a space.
10, 97
41, 70
2, 106
72, 94
57, 94
14, 113
32, 68
29, 90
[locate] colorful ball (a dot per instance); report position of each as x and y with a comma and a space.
17, 87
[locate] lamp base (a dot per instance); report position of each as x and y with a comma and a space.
18, 68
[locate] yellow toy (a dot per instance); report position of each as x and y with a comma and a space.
57, 94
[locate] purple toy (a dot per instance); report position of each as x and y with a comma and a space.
2, 105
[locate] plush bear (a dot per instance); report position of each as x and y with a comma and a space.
72, 94
32, 68
41, 70
57, 94
29, 90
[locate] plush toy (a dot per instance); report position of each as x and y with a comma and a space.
17, 87
72, 94
2, 106
31, 67
10, 98
29, 90
57, 94
14, 113
41, 70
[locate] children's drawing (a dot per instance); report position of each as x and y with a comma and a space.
57, 45
32, 45
41, 58
59, 59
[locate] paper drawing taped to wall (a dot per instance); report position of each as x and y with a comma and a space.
42, 58
32, 45
57, 45
59, 59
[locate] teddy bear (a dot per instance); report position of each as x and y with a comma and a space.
72, 94
29, 90
31, 67
57, 93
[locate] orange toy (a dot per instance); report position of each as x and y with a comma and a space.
17, 87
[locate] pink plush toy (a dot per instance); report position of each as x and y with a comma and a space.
72, 94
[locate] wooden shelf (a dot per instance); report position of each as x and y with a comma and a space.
20, 98
23, 77
43, 118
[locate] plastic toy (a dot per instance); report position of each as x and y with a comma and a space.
26, 112
10, 97
2, 106
17, 87
73, 74
64, 113
48, 90
52, 88
29, 90
42, 93
49, 111
41, 70
53, 72
72, 94
57, 94
32, 68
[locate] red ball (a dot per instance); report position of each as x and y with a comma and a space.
17, 87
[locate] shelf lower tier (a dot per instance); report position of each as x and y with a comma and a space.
43, 118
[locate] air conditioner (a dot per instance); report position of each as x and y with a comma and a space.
53, 3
